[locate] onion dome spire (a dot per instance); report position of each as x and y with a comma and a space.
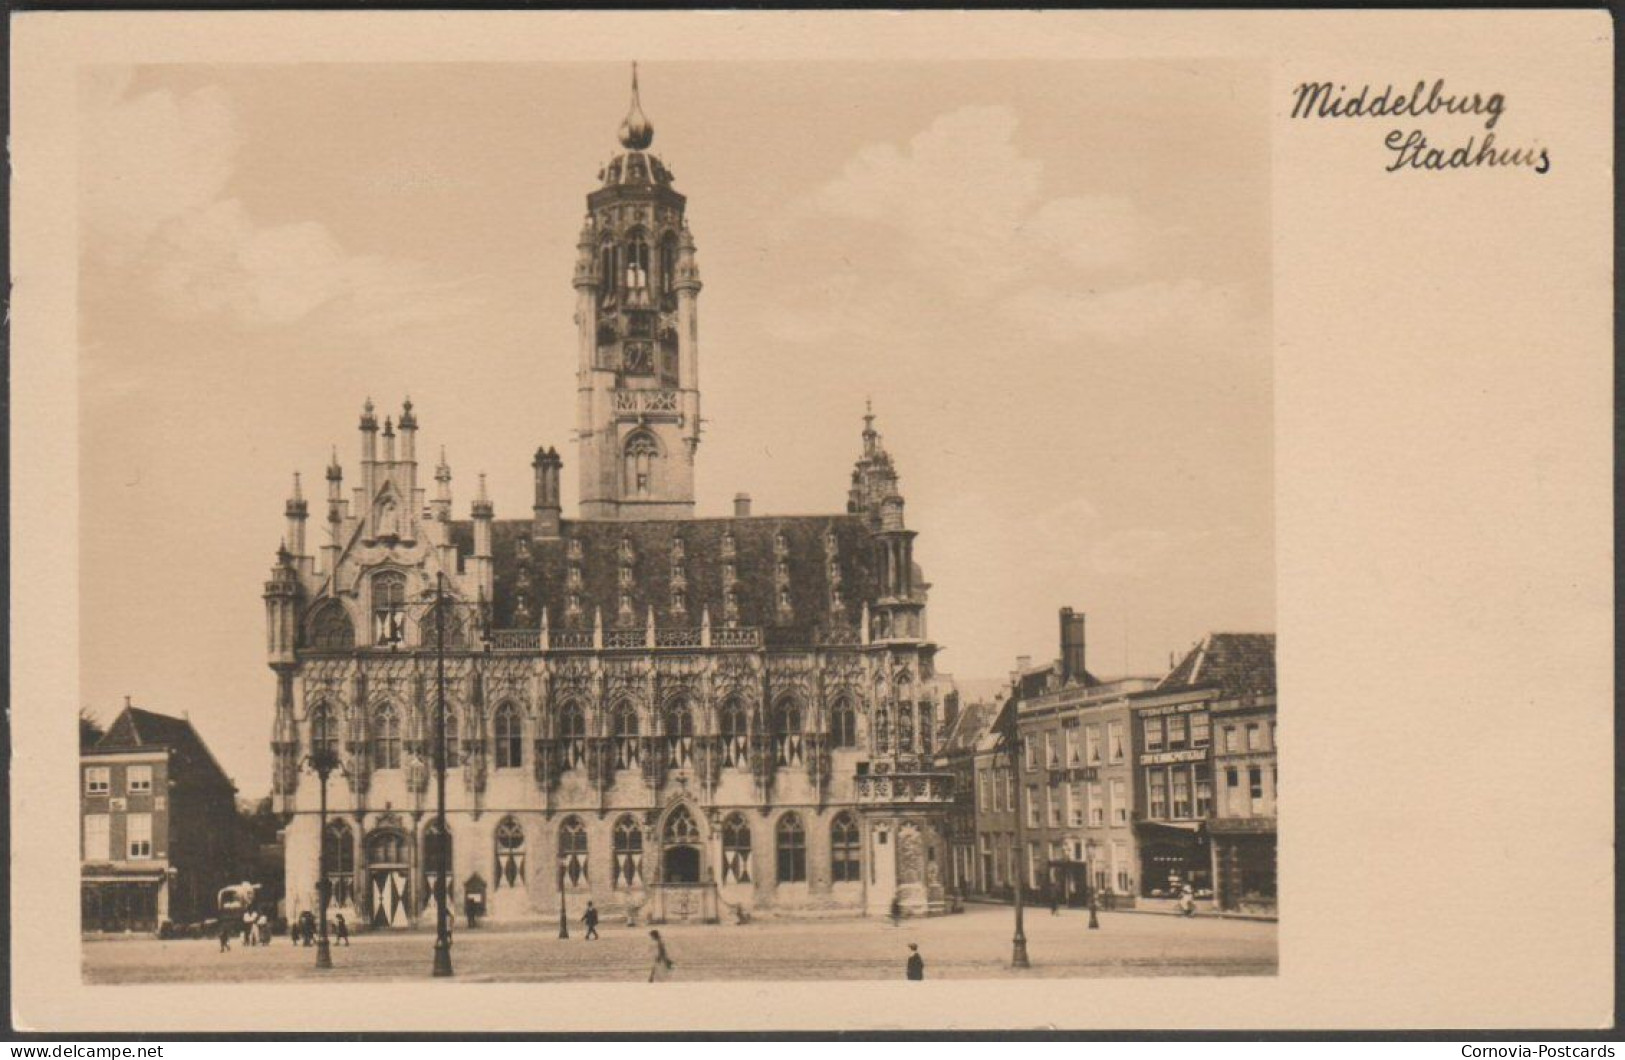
636, 132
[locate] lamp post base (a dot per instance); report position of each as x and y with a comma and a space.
442, 958
324, 954
1018, 952
564, 925
1094, 919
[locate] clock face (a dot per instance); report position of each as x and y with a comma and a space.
638, 358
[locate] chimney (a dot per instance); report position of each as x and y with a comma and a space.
741, 505
1072, 646
1023, 663
548, 507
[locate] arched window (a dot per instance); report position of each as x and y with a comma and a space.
573, 735
792, 849
640, 455
437, 862
680, 735
443, 621
882, 730
453, 746
787, 739
735, 850
573, 852
843, 849
386, 848
905, 728
668, 263
628, 870
626, 737
331, 628
609, 276
386, 738
338, 858
324, 736
735, 734
388, 607
843, 724
510, 844
637, 265
509, 737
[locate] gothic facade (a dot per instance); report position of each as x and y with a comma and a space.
674, 716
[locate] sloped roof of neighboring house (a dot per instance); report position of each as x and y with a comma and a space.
140, 730
1234, 663
968, 728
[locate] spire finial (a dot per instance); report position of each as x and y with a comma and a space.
298, 495
636, 132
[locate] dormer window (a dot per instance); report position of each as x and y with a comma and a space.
626, 550
728, 543
626, 604
572, 577
573, 605
784, 598
780, 544
677, 550
728, 574
783, 570
574, 550
677, 602
626, 577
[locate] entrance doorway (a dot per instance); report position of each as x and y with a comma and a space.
682, 865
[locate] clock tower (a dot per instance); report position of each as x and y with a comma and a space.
637, 383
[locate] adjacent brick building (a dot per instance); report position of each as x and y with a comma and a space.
158, 825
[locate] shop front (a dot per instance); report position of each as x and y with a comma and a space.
1244, 859
124, 903
1173, 856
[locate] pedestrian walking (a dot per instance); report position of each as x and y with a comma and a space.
916, 963
1187, 901
896, 910
248, 927
663, 964
1054, 904
307, 927
225, 935
590, 918
263, 922
341, 929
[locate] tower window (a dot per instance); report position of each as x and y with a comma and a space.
641, 453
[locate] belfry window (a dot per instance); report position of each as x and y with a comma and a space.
637, 266
668, 263
641, 453
608, 275
388, 608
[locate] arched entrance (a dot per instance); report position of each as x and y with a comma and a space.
680, 848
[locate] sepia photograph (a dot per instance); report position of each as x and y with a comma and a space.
926, 631
800, 523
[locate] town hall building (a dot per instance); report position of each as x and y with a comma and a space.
673, 715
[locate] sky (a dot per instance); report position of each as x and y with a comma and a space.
1052, 280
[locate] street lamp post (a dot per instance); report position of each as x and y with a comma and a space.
564, 916
442, 937
323, 761
1018, 942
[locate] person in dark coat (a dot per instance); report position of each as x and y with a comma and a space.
663, 962
341, 929
916, 963
307, 927
225, 935
896, 910
590, 918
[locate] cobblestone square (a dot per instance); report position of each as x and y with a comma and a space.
972, 945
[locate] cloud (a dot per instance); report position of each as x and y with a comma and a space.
155, 205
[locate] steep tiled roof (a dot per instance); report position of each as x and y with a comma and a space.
535, 571
968, 728
136, 729
1234, 663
